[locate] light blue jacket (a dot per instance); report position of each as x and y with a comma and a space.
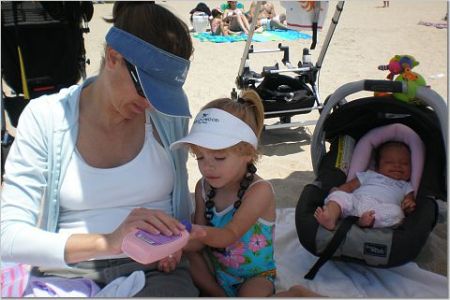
45, 140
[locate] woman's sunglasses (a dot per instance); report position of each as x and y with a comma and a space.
134, 77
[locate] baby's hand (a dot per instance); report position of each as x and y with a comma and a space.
408, 205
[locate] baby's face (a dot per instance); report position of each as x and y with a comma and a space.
395, 162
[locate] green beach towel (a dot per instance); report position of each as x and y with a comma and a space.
265, 36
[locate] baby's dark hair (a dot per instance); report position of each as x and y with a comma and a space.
385, 145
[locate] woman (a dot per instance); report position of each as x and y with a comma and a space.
91, 163
268, 19
235, 18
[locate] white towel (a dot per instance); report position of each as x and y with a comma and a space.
123, 287
350, 280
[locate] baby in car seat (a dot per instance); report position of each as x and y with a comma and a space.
380, 198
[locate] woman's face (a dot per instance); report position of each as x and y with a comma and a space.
126, 100
232, 4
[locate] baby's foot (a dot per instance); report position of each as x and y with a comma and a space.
324, 218
367, 219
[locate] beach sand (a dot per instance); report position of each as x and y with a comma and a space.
366, 36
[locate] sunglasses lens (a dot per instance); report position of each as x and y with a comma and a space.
135, 79
139, 90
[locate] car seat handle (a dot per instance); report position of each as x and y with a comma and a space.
383, 86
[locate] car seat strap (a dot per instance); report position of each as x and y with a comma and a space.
339, 235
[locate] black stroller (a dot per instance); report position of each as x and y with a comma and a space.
341, 121
286, 96
42, 52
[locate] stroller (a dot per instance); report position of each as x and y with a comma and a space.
42, 52
285, 96
342, 124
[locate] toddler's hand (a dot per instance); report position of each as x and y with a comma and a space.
197, 232
169, 263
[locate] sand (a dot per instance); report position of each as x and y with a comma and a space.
366, 36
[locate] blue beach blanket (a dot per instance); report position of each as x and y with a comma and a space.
265, 36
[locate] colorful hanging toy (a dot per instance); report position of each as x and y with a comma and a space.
401, 65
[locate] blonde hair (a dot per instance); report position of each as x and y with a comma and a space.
249, 108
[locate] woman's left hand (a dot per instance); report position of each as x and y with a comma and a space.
169, 263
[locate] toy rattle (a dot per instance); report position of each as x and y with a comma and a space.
401, 66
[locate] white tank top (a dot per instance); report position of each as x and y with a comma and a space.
96, 200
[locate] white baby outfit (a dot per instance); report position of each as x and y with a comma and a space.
378, 193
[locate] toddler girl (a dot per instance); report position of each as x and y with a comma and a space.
237, 205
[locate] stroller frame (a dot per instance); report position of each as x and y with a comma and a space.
306, 73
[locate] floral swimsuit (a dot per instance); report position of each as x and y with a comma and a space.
252, 255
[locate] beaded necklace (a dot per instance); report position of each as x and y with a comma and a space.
245, 183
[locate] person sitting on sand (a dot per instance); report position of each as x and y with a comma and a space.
218, 26
267, 17
235, 18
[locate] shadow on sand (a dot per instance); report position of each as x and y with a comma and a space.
284, 141
288, 190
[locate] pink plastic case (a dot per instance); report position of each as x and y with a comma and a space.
147, 248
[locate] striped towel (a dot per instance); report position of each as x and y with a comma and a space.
14, 279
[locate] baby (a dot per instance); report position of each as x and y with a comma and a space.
380, 198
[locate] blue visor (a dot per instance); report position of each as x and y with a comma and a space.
161, 74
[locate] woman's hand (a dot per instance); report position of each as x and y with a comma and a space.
153, 221
169, 263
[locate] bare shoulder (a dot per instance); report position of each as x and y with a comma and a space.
261, 189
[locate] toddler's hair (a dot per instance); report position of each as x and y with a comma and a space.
385, 145
249, 108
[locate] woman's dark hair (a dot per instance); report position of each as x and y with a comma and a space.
153, 24
215, 12
201, 7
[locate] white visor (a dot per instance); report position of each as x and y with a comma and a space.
216, 129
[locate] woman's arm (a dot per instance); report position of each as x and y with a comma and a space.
23, 201
81, 247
